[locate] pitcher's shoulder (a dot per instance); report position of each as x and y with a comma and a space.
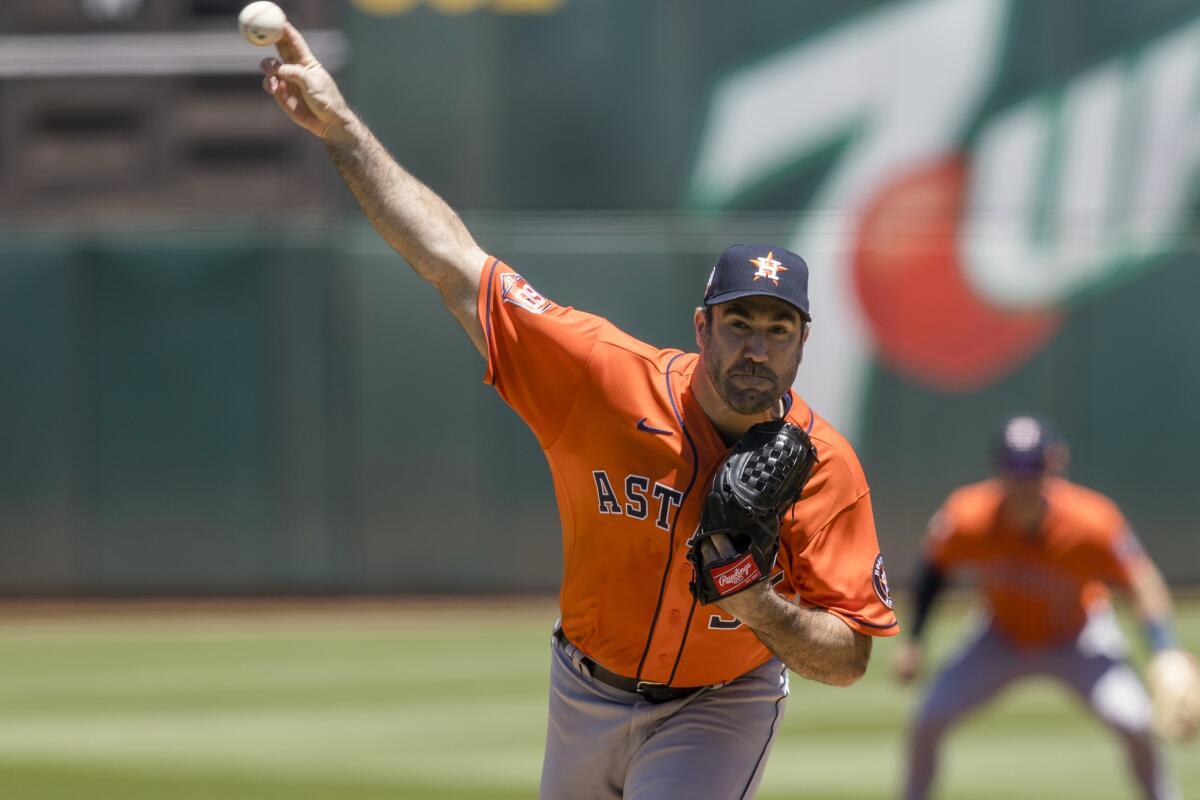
837, 461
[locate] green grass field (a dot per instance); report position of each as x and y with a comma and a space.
410, 700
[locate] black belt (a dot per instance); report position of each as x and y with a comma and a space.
647, 690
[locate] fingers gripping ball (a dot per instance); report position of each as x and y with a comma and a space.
738, 539
1175, 689
261, 23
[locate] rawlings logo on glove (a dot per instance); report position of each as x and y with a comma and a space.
741, 574
738, 539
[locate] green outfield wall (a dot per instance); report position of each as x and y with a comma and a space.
242, 412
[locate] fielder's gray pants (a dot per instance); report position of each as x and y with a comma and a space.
1093, 666
604, 743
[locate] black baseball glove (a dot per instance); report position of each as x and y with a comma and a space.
738, 538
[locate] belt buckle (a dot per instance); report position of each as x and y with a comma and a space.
644, 688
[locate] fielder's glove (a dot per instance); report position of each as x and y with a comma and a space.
738, 538
1175, 689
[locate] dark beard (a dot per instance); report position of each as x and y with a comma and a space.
748, 401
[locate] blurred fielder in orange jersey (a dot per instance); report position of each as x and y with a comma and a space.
653, 694
1044, 550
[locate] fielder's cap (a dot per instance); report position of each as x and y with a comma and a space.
764, 269
1028, 446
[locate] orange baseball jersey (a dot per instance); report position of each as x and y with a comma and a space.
1041, 584
632, 456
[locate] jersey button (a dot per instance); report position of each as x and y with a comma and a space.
674, 613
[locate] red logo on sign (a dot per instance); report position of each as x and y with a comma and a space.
736, 576
928, 321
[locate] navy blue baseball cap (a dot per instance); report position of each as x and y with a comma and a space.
1028, 446
759, 269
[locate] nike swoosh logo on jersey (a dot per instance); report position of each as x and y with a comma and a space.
642, 426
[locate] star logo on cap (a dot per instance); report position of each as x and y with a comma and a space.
768, 267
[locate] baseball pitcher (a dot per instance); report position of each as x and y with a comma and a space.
716, 530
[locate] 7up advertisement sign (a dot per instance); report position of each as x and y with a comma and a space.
949, 234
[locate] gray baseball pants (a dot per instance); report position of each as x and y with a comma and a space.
604, 743
1093, 666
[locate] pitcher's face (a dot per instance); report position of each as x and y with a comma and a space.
751, 348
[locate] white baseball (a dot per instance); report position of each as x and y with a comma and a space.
261, 23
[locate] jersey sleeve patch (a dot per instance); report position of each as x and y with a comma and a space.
880, 581
518, 291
